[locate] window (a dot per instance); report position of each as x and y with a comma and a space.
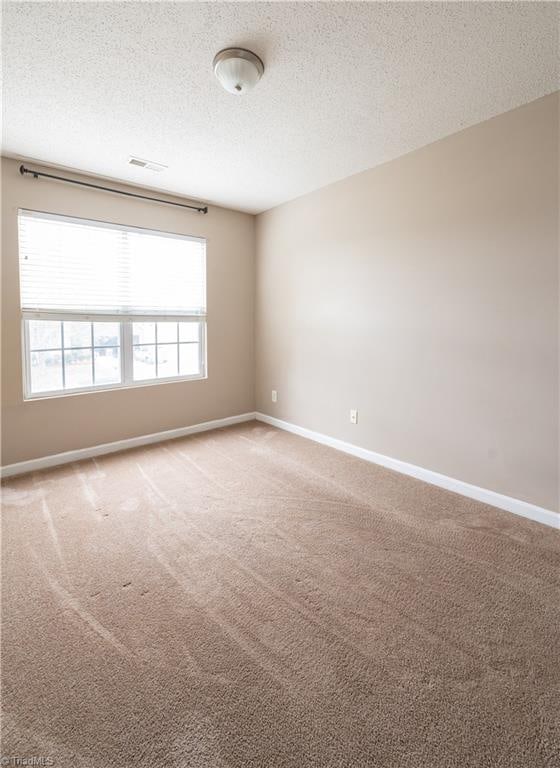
107, 306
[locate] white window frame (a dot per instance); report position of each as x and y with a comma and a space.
126, 343
126, 350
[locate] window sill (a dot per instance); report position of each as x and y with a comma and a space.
111, 388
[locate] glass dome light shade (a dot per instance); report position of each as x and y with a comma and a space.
238, 70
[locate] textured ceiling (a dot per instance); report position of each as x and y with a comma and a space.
347, 86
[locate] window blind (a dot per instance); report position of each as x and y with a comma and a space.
77, 266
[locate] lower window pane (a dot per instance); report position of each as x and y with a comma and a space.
44, 334
144, 358
188, 331
189, 364
46, 371
106, 334
77, 334
83, 368
107, 365
167, 360
166, 332
143, 333
77, 368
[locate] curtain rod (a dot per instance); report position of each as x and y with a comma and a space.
23, 170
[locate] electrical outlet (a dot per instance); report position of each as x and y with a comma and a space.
353, 416
274, 396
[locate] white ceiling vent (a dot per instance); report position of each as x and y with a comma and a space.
148, 164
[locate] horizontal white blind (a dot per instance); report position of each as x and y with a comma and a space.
76, 266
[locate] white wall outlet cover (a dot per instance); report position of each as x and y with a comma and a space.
354, 416
274, 396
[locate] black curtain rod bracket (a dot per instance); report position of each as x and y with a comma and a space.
23, 170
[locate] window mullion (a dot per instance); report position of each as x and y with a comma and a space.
126, 351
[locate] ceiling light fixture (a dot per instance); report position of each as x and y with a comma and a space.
238, 70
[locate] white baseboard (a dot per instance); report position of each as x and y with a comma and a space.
518, 507
119, 445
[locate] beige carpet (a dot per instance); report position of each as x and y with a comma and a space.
247, 598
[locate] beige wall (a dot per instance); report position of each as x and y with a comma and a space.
41, 427
425, 293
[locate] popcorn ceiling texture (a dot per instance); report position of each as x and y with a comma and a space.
347, 86
250, 599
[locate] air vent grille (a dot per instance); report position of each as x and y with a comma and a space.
150, 165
